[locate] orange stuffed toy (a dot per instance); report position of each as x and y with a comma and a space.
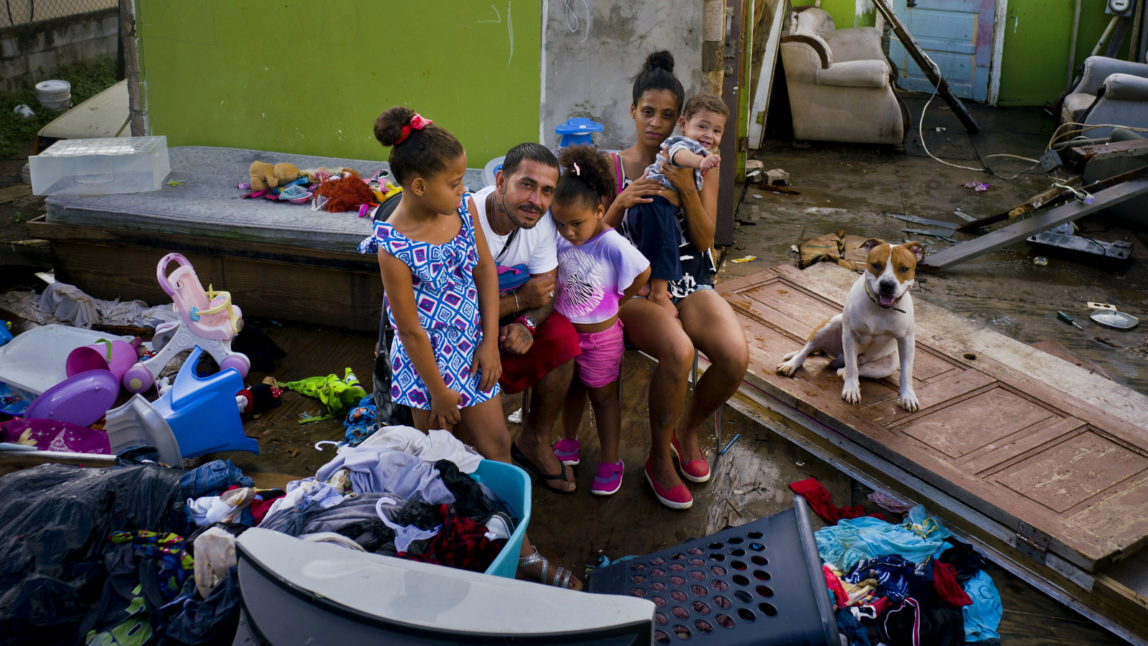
345, 193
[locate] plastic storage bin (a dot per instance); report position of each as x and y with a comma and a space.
299, 592
760, 583
35, 360
100, 166
512, 484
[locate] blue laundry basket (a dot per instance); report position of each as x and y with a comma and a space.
512, 485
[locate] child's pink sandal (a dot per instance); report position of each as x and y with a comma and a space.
608, 480
566, 450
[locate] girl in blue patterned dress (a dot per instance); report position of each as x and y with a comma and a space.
440, 285
441, 297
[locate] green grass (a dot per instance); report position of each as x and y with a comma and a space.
87, 79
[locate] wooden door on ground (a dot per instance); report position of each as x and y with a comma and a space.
1061, 471
957, 35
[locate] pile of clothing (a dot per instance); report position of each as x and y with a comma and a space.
142, 553
400, 493
907, 583
105, 556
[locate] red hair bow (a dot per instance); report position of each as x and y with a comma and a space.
417, 123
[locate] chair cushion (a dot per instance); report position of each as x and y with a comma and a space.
1075, 104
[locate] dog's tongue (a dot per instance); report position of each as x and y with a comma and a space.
886, 301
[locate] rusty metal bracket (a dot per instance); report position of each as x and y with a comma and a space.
1031, 542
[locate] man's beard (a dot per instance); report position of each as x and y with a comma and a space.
515, 214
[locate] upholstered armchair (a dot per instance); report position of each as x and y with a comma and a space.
839, 82
1110, 91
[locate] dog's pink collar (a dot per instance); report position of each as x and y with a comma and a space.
873, 297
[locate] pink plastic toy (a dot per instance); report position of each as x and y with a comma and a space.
206, 318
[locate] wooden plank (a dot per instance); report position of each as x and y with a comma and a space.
1035, 224
941, 328
1050, 197
760, 110
1078, 156
927, 66
1112, 601
1057, 349
16, 460
971, 436
730, 148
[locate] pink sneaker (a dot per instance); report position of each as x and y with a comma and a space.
693, 470
675, 497
608, 479
567, 452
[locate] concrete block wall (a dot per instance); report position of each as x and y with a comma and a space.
591, 52
32, 52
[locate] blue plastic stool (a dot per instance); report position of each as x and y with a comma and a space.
577, 131
202, 412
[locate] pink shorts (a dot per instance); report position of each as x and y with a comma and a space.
601, 355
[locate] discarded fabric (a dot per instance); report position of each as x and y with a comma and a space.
338, 394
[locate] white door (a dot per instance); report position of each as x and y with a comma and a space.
957, 35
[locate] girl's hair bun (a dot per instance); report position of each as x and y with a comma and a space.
389, 125
660, 60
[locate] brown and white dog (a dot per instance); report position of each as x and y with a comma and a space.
875, 327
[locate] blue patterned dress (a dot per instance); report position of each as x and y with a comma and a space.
446, 298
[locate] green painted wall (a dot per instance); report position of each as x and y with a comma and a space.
301, 77
1037, 37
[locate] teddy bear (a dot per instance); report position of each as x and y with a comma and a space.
265, 176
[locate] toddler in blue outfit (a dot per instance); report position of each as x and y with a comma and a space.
653, 226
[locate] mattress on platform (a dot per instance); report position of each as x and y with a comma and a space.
200, 198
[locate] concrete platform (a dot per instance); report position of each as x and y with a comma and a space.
279, 260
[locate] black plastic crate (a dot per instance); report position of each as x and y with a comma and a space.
760, 583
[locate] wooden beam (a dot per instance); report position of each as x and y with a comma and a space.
1108, 602
1037, 223
927, 66
1049, 197
1078, 156
137, 113
730, 147
14, 460
759, 112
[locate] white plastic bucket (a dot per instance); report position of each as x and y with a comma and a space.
54, 94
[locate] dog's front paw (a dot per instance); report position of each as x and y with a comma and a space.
908, 400
787, 368
789, 364
852, 392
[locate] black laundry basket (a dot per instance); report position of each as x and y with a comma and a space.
760, 583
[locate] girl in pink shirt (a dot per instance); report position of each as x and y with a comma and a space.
598, 270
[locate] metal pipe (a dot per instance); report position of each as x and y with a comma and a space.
1134, 45
1070, 74
1105, 35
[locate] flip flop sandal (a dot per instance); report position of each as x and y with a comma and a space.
534, 469
561, 578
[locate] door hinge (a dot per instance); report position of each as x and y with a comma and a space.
1031, 542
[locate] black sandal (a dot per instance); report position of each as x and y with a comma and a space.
546, 478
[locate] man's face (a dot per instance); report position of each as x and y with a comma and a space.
526, 194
